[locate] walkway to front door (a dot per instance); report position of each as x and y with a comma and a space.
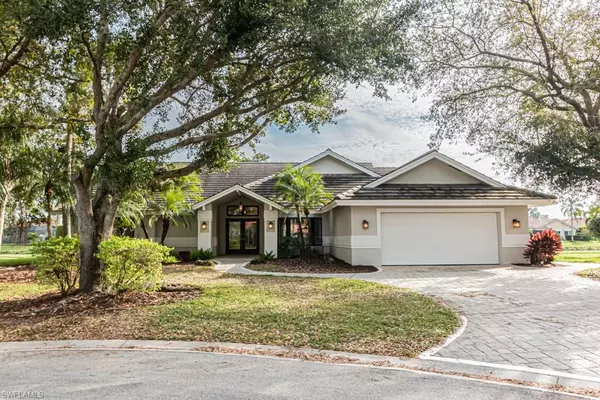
242, 236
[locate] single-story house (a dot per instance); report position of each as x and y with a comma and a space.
563, 226
432, 210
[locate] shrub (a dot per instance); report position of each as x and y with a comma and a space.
205, 263
594, 227
263, 258
132, 264
543, 247
171, 258
202, 254
289, 247
57, 262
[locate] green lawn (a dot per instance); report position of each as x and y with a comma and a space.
18, 290
15, 259
579, 256
577, 245
14, 249
336, 314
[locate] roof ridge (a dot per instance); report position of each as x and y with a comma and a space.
348, 193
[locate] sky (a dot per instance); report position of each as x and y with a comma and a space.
383, 132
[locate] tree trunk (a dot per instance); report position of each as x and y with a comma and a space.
143, 225
300, 232
49, 215
165, 230
308, 244
3, 205
95, 220
67, 207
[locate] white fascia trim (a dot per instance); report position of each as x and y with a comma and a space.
429, 156
459, 203
241, 189
338, 157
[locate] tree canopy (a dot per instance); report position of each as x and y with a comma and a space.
139, 82
520, 79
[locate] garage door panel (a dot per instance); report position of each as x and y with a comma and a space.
439, 238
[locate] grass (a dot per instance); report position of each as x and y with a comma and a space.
14, 249
579, 256
15, 259
19, 290
335, 314
590, 273
581, 245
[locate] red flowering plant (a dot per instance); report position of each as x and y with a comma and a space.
543, 247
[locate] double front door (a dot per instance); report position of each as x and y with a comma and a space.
242, 236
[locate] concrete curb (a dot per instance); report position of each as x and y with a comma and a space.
426, 363
449, 339
301, 275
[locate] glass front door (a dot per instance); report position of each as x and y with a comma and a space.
242, 236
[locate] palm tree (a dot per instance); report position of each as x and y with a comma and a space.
572, 208
303, 190
171, 207
131, 212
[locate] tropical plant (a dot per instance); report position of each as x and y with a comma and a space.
302, 190
263, 258
171, 208
130, 213
543, 247
573, 209
57, 262
132, 264
202, 254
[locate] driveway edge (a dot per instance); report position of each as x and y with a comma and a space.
499, 372
459, 331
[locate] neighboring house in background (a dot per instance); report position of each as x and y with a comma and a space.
562, 226
430, 211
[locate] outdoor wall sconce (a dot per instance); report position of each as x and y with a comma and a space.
270, 225
516, 223
204, 226
365, 224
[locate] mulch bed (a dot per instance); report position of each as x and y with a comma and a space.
17, 274
311, 265
53, 304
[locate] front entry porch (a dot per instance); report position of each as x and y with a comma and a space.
236, 223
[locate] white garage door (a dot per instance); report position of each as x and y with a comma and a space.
437, 238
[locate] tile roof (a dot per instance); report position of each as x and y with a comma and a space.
440, 192
260, 177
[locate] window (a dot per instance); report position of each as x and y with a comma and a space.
248, 211
289, 227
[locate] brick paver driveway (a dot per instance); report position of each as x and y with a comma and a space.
544, 318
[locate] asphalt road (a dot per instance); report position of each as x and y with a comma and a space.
178, 375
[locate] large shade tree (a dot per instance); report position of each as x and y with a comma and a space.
204, 78
520, 79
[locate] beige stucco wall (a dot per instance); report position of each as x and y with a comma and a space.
434, 171
365, 249
331, 166
341, 233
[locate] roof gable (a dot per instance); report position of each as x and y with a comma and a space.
331, 163
434, 168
